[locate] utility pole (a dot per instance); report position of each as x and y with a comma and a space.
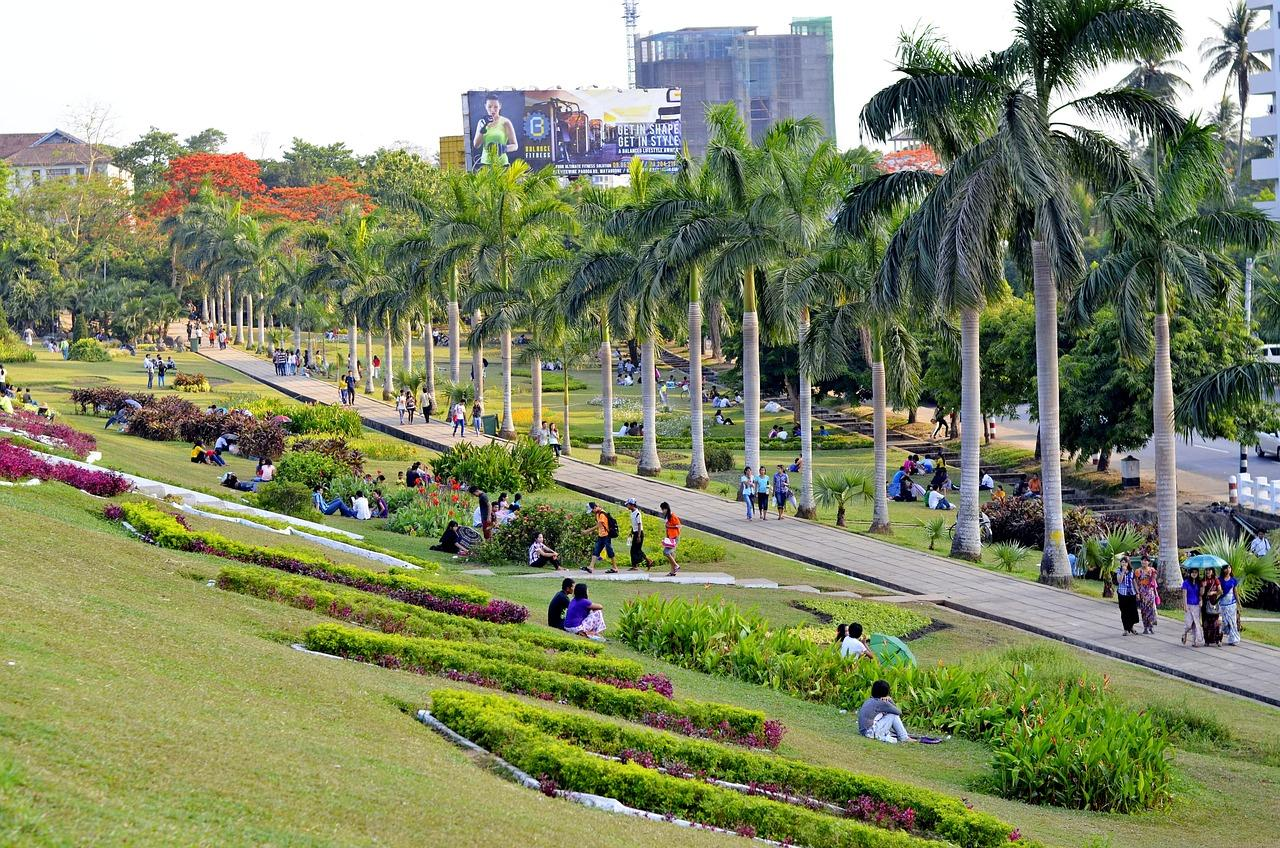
629, 15
1248, 294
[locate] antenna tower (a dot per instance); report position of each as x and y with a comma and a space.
629, 15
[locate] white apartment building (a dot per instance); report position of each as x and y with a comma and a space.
1263, 41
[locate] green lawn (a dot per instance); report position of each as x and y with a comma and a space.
161, 711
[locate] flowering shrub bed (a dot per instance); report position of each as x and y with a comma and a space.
191, 383
565, 747
43, 430
733, 723
18, 463
429, 510
167, 531
571, 533
989, 703
380, 613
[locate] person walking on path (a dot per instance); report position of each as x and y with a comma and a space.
747, 488
459, 420
638, 556
1147, 583
1211, 609
377, 365
553, 439
781, 490
762, 494
1127, 594
606, 531
475, 417
351, 388
672, 537
1191, 607
428, 406
1227, 607
400, 407
410, 404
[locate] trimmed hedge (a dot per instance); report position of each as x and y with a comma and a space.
935, 812
166, 531
389, 616
636, 704
88, 350
570, 767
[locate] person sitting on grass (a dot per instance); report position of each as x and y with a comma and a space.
852, 644
584, 617
379, 505
560, 604
723, 419
360, 507
231, 481
880, 718
540, 554
449, 542
330, 507
937, 500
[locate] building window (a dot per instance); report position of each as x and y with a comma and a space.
79, 172
35, 175
59, 172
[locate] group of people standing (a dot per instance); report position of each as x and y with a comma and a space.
157, 368
606, 530
756, 490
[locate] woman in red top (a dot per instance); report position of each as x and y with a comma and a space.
671, 539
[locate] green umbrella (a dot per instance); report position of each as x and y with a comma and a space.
891, 650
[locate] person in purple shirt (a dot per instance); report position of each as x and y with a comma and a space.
1191, 605
584, 617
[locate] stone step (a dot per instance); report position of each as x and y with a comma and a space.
757, 583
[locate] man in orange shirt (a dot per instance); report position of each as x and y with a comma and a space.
606, 529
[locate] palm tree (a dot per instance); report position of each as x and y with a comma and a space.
349, 262
510, 209
840, 488
1158, 76
1228, 52
1017, 177
1166, 249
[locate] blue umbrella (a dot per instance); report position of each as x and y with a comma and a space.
1203, 561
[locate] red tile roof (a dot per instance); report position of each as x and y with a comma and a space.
11, 143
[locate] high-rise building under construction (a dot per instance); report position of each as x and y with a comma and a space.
769, 77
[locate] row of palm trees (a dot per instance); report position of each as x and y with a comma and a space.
835, 256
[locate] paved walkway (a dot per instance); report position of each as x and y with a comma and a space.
1250, 669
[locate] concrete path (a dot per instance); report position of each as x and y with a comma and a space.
1250, 669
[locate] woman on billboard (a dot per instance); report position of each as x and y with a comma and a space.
495, 135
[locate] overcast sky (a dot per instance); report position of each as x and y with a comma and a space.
382, 73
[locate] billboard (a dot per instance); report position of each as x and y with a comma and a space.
580, 131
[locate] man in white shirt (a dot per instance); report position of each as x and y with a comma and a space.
150, 368
361, 505
638, 556
937, 500
986, 484
852, 645
1259, 547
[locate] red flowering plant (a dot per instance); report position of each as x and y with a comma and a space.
18, 463
28, 425
426, 516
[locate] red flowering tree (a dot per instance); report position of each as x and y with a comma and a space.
232, 174
321, 202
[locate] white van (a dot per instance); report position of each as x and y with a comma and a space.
1269, 353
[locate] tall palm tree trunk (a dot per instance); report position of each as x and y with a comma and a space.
262, 325
226, 303
607, 454
535, 382
1166, 459
387, 385
477, 362
368, 360
455, 365
566, 446
750, 369
353, 339
240, 319
805, 507
204, 308
428, 353
649, 464
713, 330
697, 478
1054, 567
967, 542
508, 428
879, 436
406, 346
249, 301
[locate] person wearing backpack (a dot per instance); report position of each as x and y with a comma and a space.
606, 532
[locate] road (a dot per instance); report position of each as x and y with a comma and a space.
1203, 464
